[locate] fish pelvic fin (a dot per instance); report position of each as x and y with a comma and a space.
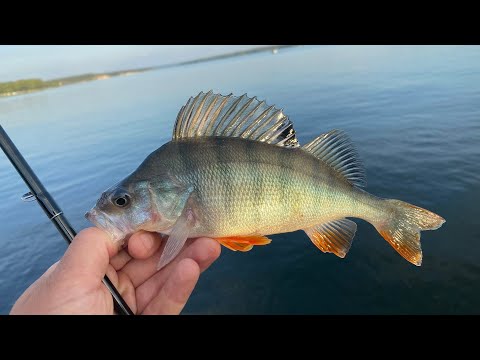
401, 227
337, 150
243, 243
334, 236
209, 114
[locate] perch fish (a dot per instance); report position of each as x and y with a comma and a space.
235, 171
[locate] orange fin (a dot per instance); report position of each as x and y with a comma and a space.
243, 243
334, 236
235, 246
402, 228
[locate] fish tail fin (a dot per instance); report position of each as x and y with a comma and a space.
401, 227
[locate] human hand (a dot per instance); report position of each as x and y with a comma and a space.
74, 285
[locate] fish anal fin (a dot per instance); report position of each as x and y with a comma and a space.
334, 236
243, 243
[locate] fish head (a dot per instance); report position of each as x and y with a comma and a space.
138, 204
151, 198
125, 208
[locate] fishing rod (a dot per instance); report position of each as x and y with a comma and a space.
51, 209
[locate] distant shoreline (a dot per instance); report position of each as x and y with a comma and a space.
25, 86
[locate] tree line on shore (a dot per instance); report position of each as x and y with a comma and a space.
36, 84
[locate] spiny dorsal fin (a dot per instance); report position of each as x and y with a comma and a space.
338, 151
210, 114
334, 236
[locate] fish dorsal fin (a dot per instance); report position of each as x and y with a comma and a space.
337, 150
209, 114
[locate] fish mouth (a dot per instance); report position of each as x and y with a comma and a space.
103, 221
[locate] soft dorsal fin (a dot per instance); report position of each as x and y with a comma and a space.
210, 114
337, 150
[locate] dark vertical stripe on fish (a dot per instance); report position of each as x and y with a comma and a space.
184, 159
315, 167
225, 153
257, 176
284, 159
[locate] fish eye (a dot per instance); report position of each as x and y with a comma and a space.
122, 200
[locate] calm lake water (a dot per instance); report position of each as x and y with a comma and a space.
413, 113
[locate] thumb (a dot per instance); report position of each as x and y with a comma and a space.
89, 253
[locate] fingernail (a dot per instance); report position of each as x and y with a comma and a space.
147, 240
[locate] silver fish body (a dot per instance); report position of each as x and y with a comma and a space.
234, 171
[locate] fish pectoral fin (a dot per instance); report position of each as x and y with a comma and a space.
243, 243
334, 236
178, 236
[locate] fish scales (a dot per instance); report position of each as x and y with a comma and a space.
247, 187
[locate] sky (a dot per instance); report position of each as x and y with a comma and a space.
51, 61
